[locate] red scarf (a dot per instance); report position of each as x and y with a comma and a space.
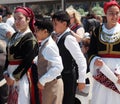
28, 13
109, 4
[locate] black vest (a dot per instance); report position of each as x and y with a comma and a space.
67, 59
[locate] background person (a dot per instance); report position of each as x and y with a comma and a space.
6, 32
3, 85
75, 23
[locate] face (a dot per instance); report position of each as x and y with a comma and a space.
21, 22
112, 15
40, 34
59, 27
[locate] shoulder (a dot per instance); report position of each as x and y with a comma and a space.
70, 39
97, 30
51, 43
29, 36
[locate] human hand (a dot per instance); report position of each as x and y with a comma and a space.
40, 86
81, 86
118, 76
98, 62
9, 81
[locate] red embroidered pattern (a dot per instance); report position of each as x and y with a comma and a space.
105, 81
13, 96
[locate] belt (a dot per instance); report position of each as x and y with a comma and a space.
58, 77
109, 55
15, 62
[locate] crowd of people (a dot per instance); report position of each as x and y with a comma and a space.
44, 61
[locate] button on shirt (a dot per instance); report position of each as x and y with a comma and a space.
73, 47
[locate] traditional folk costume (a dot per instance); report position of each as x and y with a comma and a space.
50, 68
21, 50
74, 27
105, 44
74, 65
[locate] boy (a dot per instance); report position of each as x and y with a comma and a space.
49, 65
73, 59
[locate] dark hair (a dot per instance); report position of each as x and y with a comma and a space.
44, 25
8, 13
61, 16
1, 11
92, 24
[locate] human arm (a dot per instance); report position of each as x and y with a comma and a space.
74, 48
79, 34
29, 49
55, 67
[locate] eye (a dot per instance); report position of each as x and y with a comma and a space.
113, 13
18, 18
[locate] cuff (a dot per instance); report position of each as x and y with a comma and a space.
11, 76
42, 82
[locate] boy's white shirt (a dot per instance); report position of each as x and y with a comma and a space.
72, 45
55, 66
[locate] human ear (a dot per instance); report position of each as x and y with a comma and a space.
45, 30
28, 19
65, 23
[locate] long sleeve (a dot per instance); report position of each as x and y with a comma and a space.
93, 51
55, 67
74, 48
29, 49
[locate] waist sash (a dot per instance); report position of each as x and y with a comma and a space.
101, 78
15, 62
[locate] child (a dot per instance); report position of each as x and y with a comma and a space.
49, 65
73, 59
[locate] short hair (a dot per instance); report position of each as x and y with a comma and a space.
8, 13
62, 16
44, 24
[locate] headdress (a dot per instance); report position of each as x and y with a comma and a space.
28, 13
109, 4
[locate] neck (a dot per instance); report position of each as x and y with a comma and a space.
109, 26
23, 30
62, 32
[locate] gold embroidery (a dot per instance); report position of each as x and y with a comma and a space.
109, 42
110, 37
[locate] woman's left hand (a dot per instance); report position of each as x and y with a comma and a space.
118, 75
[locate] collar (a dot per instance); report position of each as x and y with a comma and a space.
19, 34
67, 30
43, 41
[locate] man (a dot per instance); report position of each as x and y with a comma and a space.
73, 59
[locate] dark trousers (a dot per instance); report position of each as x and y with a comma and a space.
70, 84
3, 89
3, 94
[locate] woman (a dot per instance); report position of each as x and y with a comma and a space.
75, 23
104, 58
21, 50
